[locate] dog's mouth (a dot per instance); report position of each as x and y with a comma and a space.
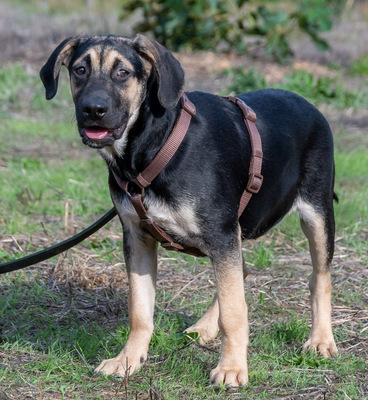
96, 136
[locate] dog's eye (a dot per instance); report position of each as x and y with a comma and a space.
123, 73
80, 70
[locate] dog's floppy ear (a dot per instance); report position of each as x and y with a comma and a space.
50, 71
168, 70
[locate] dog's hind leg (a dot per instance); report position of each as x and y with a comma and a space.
318, 226
141, 259
207, 326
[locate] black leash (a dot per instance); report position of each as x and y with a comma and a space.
58, 248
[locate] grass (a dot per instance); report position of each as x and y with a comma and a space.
360, 65
41, 156
58, 320
20, 89
51, 346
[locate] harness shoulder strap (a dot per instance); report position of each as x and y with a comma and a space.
172, 144
255, 178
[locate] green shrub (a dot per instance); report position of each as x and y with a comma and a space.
219, 24
317, 90
244, 81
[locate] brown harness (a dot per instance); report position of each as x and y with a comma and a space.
145, 178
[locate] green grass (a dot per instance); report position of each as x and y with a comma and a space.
39, 168
53, 351
20, 89
34, 187
54, 331
360, 65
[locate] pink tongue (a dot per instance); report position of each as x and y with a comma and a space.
96, 134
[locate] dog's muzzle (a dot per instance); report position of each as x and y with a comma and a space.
100, 137
96, 124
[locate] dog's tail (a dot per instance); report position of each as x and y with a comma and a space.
334, 196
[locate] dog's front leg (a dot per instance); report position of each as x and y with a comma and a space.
141, 259
232, 368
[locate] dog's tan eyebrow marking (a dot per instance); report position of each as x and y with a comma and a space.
111, 59
95, 54
91, 57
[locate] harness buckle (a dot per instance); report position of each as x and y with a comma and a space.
257, 153
254, 183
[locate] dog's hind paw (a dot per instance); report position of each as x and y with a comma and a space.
326, 347
204, 335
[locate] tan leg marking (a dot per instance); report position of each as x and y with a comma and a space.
142, 270
232, 369
321, 338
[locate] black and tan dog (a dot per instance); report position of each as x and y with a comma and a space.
126, 93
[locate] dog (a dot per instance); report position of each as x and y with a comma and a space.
127, 95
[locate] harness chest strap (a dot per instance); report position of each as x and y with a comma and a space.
145, 178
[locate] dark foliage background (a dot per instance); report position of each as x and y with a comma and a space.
235, 25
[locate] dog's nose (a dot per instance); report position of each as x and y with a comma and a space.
94, 108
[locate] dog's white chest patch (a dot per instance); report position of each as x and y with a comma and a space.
181, 221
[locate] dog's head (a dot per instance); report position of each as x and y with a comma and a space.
109, 78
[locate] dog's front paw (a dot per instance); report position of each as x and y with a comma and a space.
230, 377
121, 366
323, 345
